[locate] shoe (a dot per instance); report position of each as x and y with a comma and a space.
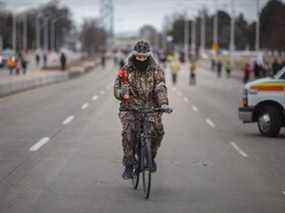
128, 173
153, 166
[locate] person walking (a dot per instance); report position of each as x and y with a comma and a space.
11, 64
246, 71
45, 58
38, 59
256, 69
219, 68
275, 66
63, 61
24, 63
192, 78
228, 69
175, 68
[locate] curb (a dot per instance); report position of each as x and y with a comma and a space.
11, 88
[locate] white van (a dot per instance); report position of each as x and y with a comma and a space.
263, 102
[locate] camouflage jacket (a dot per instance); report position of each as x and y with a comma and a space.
145, 88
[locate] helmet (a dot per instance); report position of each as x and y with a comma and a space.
142, 47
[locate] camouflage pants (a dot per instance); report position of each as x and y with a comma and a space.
129, 130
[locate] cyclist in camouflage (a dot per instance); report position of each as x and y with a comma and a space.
140, 82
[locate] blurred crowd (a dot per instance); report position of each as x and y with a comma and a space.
252, 67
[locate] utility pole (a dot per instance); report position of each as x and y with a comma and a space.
257, 34
215, 32
232, 41
107, 18
203, 32
14, 33
186, 38
25, 33
46, 34
193, 36
38, 31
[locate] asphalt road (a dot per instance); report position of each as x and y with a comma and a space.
60, 151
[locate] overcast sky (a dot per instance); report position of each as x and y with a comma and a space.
130, 15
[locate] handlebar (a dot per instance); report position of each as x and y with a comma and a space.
146, 110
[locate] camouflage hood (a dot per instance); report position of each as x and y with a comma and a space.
151, 67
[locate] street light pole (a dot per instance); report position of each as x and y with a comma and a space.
38, 31
25, 33
193, 36
203, 32
232, 41
186, 38
215, 31
14, 33
257, 35
46, 34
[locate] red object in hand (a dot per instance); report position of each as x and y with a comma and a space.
123, 75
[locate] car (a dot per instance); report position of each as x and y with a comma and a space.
263, 102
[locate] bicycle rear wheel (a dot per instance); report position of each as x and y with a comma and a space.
146, 162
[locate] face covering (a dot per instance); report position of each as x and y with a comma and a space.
141, 65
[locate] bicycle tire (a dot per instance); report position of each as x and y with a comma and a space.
147, 165
136, 173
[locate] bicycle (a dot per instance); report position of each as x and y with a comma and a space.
142, 152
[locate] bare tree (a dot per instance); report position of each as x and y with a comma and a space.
93, 37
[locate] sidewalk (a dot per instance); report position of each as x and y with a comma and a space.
38, 77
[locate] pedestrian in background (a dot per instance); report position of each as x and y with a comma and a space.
38, 59
11, 64
63, 61
45, 58
228, 69
256, 69
219, 68
24, 63
246, 71
192, 79
175, 68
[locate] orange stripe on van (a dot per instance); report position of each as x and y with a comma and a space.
269, 87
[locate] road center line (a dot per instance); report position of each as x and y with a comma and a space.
195, 108
186, 99
239, 150
84, 106
39, 144
95, 97
68, 120
210, 122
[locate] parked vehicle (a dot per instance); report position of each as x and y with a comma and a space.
263, 102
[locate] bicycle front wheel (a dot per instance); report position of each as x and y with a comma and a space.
136, 171
146, 161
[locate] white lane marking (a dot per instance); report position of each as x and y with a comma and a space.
102, 92
186, 99
283, 192
195, 108
210, 122
95, 97
84, 106
68, 120
39, 144
239, 150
